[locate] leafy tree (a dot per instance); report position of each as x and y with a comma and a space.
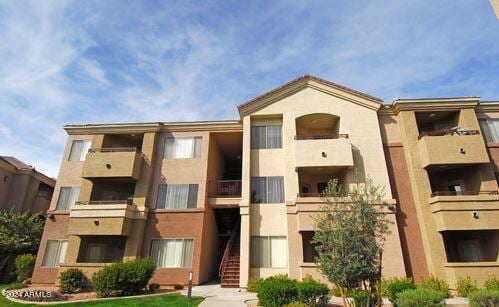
20, 233
351, 231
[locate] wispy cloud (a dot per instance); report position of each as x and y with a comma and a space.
93, 61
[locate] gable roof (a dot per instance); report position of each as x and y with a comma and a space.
299, 83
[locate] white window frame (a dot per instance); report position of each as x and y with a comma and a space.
86, 144
267, 193
164, 205
73, 195
266, 145
62, 246
269, 256
490, 129
183, 260
197, 147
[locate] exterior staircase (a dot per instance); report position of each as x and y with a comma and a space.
229, 267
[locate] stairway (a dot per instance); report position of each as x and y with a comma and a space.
230, 276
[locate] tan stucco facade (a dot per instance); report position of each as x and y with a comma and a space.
326, 131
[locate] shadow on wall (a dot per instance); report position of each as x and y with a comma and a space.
359, 174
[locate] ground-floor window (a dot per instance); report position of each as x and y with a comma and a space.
471, 245
269, 252
309, 252
172, 253
55, 252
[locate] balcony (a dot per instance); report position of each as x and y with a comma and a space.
451, 147
101, 218
224, 193
465, 210
123, 163
323, 151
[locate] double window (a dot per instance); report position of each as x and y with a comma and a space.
55, 252
172, 253
490, 129
182, 148
67, 198
268, 190
79, 150
177, 196
269, 252
263, 137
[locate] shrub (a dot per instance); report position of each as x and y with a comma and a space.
276, 291
420, 297
178, 286
363, 298
71, 280
312, 292
123, 278
296, 304
492, 283
390, 288
24, 266
484, 298
466, 286
16, 285
253, 284
153, 287
436, 284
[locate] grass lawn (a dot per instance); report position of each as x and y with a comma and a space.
172, 299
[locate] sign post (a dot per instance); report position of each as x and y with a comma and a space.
189, 289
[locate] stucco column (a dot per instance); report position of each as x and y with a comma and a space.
244, 206
73, 249
87, 185
133, 246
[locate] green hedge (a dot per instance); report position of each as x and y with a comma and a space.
123, 278
253, 284
392, 287
492, 283
466, 286
279, 290
312, 292
71, 280
420, 297
24, 266
484, 298
436, 284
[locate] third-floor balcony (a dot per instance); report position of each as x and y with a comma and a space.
123, 163
333, 150
224, 193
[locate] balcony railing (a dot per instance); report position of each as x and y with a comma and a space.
225, 188
114, 149
105, 202
461, 193
453, 131
321, 137
311, 195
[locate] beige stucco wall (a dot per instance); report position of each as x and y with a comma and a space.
274, 219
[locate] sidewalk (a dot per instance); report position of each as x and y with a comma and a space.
218, 296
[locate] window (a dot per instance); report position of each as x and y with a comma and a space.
67, 198
177, 196
490, 129
263, 137
309, 252
55, 252
182, 148
79, 150
269, 252
172, 253
268, 190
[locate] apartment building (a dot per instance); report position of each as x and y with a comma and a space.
22, 188
235, 199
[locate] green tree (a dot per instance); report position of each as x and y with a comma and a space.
20, 233
350, 233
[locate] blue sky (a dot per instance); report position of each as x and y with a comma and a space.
70, 62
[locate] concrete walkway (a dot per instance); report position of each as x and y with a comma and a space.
217, 296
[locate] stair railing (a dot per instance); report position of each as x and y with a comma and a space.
228, 246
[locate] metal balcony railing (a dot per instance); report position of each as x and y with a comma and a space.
225, 188
321, 137
454, 131
105, 202
461, 193
114, 149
